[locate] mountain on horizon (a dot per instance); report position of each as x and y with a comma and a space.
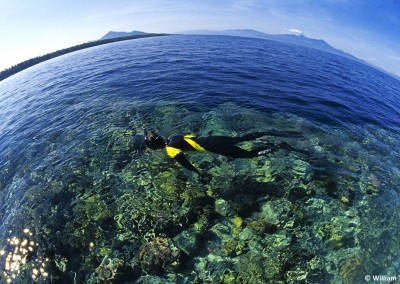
287, 38
112, 34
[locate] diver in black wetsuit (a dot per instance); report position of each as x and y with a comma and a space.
176, 144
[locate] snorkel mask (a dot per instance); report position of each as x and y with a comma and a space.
154, 141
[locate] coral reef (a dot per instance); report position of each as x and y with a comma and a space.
107, 211
158, 255
108, 269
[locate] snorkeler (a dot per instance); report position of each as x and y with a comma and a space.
176, 144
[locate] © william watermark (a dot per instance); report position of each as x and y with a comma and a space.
382, 278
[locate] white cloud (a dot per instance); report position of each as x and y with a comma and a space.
293, 31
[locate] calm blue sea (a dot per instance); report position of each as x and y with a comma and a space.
55, 114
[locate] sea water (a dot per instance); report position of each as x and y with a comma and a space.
81, 200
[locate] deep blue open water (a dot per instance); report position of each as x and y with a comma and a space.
69, 160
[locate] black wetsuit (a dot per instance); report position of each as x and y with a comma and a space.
224, 145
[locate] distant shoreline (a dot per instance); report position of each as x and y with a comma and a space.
33, 61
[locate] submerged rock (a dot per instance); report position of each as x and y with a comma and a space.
371, 184
223, 207
108, 269
256, 267
259, 227
187, 241
159, 255
351, 270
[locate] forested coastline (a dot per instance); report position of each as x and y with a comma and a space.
33, 61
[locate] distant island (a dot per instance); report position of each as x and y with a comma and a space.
111, 35
104, 40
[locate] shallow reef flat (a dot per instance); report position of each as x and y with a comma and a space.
108, 211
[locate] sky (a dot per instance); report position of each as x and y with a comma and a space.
367, 29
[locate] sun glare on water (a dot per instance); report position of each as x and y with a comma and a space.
17, 256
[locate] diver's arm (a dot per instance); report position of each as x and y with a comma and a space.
178, 155
181, 159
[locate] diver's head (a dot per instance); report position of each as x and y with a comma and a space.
155, 141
